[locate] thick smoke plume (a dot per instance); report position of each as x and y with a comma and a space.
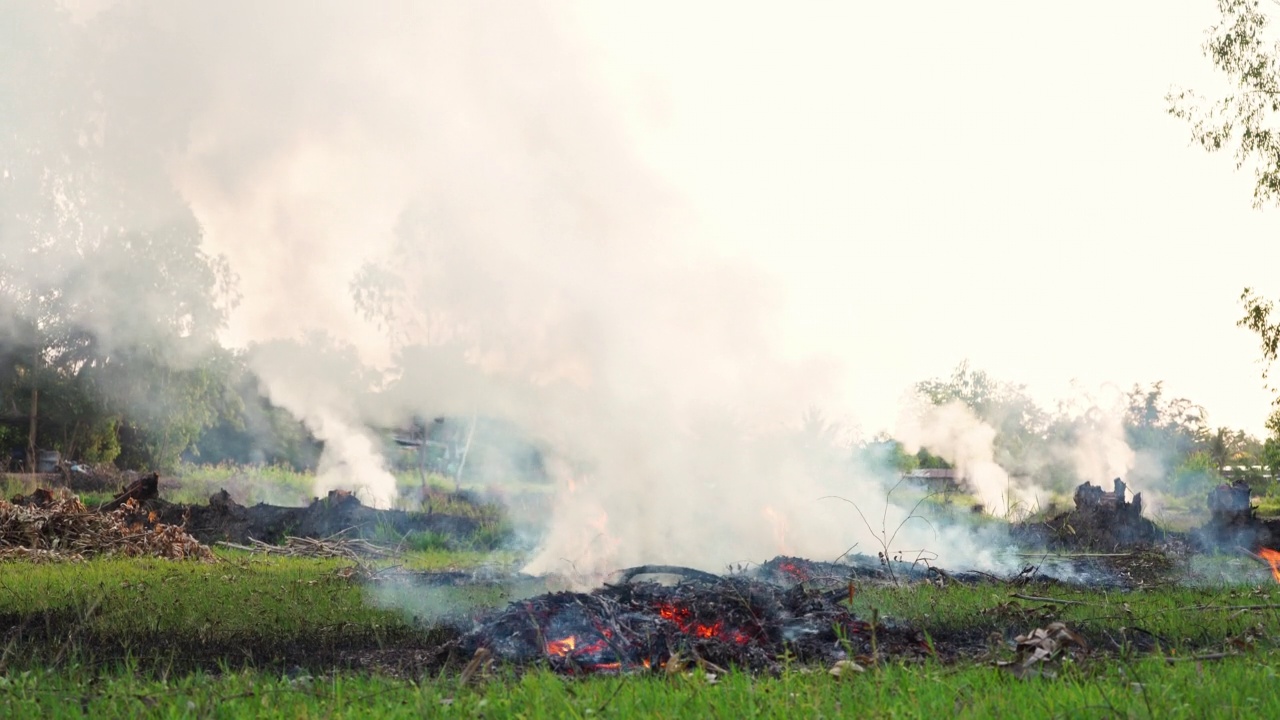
448, 193
954, 433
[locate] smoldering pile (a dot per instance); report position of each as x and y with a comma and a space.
1101, 520
59, 527
754, 619
748, 622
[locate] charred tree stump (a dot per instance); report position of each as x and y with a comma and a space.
144, 488
1231, 505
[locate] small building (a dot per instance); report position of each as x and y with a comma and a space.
936, 479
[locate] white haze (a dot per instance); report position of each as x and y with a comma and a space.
954, 433
468, 167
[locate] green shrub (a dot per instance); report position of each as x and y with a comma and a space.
1196, 475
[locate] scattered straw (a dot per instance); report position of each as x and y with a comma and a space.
333, 547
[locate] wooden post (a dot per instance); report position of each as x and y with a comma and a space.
466, 449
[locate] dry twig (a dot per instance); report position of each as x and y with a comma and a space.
65, 529
331, 547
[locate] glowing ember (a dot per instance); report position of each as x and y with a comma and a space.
707, 631
677, 615
562, 647
683, 619
1273, 559
795, 571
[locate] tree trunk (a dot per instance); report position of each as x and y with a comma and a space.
31, 432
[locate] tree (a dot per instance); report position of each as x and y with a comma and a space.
1020, 424
1245, 47
886, 454
1168, 427
108, 306
251, 430
1258, 318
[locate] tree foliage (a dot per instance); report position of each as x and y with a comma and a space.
1258, 318
1020, 424
109, 307
1244, 46
1245, 49
1165, 426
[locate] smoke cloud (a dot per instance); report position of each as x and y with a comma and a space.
955, 434
447, 193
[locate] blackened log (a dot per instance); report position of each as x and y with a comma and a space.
144, 488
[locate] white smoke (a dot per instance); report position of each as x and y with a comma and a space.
955, 434
1099, 450
461, 169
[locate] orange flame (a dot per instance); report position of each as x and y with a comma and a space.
677, 615
562, 647
707, 631
796, 572
683, 618
1273, 559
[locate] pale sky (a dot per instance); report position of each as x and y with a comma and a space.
930, 182
935, 181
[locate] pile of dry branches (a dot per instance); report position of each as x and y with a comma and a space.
64, 529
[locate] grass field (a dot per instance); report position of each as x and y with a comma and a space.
1150, 688
250, 636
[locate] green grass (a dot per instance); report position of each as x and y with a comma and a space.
12, 484
282, 600
241, 596
292, 611
1235, 687
247, 608
1174, 618
282, 485
1269, 505
249, 485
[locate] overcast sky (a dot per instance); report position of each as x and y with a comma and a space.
935, 181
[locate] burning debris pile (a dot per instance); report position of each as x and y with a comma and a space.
46, 526
716, 622
1101, 520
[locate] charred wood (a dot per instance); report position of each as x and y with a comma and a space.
141, 490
